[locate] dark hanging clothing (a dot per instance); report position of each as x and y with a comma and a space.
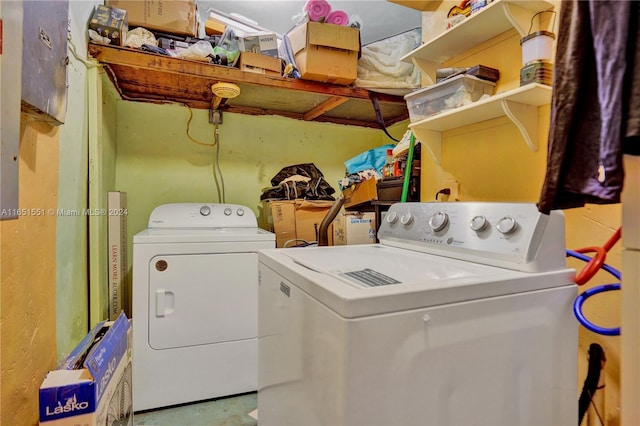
595, 108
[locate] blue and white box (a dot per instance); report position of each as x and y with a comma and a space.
92, 386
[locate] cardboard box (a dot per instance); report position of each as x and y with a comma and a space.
93, 384
117, 248
360, 193
213, 26
110, 22
263, 43
169, 16
325, 52
295, 220
261, 64
354, 228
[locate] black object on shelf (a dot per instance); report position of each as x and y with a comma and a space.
390, 189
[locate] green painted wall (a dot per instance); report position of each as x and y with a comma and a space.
157, 163
102, 113
71, 231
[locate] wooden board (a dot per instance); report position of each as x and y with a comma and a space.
147, 77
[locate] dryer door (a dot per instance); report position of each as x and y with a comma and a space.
199, 299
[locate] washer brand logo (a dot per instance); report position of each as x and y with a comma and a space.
285, 289
70, 406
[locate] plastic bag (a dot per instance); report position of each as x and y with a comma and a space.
375, 158
227, 52
202, 50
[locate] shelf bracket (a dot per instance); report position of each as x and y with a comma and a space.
432, 140
525, 117
428, 69
520, 18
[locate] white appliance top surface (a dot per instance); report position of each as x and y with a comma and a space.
431, 254
194, 222
201, 235
371, 279
195, 215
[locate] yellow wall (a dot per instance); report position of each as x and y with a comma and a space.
28, 279
491, 162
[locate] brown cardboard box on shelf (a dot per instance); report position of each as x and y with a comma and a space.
354, 228
213, 26
110, 22
360, 193
261, 64
325, 52
264, 43
295, 219
169, 16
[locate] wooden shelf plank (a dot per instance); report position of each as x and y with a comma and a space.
148, 77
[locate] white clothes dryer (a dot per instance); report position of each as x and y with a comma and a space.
462, 315
195, 278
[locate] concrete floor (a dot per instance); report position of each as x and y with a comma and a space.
230, 411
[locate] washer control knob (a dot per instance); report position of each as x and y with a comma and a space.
391, 217
406, 219
478, 223
205, 210
228, 211
438, 221
507, 225
240, 212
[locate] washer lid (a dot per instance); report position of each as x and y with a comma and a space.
362, 280
201, 235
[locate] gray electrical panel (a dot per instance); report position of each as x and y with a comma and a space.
44, 60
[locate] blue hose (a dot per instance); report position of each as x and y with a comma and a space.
579, 301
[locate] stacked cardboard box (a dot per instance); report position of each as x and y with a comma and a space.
261, 64
354, 228
170, 16
325, 52
295, 220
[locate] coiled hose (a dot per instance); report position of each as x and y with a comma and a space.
594, 264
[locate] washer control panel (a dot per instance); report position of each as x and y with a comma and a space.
501, 234
194, 215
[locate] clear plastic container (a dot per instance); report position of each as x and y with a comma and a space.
451, 93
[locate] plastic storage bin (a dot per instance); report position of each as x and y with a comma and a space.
452, 93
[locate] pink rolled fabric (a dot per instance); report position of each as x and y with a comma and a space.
337, 17
318, 10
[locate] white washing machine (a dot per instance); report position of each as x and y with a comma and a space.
462, 315
195, 278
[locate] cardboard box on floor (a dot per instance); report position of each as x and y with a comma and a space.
354, 228
295, 219
325, 52
93, 385
169, 16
